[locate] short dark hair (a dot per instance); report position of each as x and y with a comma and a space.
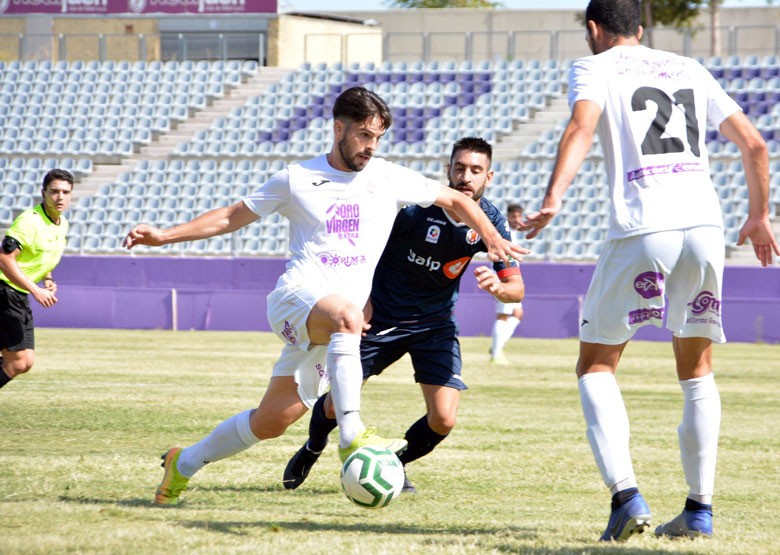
514, 208
617, 17
473, 144
57, 175
357, 104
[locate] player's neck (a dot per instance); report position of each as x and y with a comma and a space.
53, 215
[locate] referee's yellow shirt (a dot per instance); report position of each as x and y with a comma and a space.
42, 243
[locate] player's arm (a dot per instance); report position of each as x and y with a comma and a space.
10, 268
214, 222
506, 286
470, 212
573, 147
755, 160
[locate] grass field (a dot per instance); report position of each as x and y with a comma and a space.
82, 435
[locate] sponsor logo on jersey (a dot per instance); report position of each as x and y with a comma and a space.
649, 284
433, 234
472, 237
453, 269
335, 259
320, 182
344, 221
705, 302
645, 314
429, 262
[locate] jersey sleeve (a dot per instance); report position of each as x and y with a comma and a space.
413, 187
23, 229
719, 104
272, 196
585, 83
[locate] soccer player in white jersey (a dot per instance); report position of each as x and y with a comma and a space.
341, 206
508, 315
665, 241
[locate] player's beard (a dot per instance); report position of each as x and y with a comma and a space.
350, 161
476, 193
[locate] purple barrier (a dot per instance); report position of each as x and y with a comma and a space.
104, 7
230, 294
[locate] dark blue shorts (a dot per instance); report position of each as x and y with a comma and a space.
17, 332
433, 348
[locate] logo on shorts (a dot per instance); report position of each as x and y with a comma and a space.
649, 284
645, 314
289, 333
434, 232
322, 371
704, 302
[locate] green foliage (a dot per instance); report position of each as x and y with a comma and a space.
83, 432
672, 13
442, 4
676, 13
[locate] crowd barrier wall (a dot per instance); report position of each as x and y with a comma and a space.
132, 292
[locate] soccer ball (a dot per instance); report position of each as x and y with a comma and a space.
372, 477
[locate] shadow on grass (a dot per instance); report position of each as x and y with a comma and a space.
138, 502
515, 538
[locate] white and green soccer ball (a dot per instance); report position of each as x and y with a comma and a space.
372, 477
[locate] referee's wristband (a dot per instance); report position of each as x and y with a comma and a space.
48, 279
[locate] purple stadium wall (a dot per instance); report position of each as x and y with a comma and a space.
229, 294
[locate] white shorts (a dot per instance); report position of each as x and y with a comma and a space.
635, 276
288, 307
507, 308
308, 368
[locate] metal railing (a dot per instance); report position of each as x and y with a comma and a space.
102, 47
406, 46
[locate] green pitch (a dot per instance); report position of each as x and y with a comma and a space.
82, 435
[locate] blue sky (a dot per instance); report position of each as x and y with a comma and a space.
365, 5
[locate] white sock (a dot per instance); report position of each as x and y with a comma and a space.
346, 379
608, 429
502, 331
496, 345
698, 434
229, 438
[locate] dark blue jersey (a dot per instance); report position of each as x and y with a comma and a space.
418, 276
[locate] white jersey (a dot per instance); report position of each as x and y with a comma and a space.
339, 221
655, 106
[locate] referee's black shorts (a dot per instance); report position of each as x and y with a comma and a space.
17, 331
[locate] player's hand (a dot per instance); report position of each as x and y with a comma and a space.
143, 234
50, 285
534, 222
487, 280
759, 231
368, 313
45, 298
506, 251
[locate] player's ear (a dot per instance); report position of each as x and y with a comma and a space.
639, 32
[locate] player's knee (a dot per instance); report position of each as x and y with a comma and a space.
348, 320
442, 424
19, 365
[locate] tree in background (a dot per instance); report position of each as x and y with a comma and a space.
441, 4
672, 13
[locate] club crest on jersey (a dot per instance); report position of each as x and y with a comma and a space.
472, 237
433, 234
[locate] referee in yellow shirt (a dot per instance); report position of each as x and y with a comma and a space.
32, 248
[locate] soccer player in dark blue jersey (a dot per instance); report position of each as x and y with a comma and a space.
411, 308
